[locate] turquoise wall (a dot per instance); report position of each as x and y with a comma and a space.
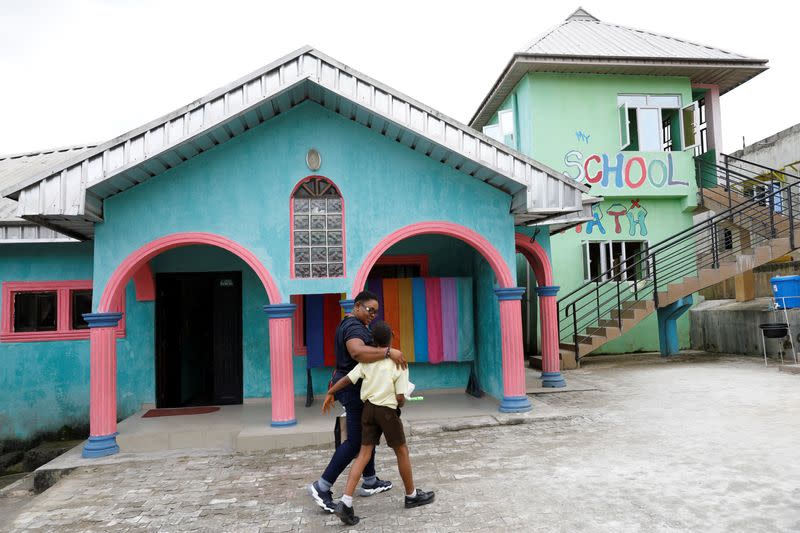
241, 190
447, 257
45, 385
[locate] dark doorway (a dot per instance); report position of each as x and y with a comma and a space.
198, 339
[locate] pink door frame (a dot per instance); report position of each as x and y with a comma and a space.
102, 406
514, 397
546, 291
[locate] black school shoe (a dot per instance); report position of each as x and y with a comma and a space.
419, 498
378, 486
323, 498
346, 514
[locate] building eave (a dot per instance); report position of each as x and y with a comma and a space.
127, 160
725, 73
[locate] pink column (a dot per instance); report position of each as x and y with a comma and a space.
103, 384
514, 398
551, 362
280, 363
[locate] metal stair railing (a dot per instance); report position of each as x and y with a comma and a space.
646, 276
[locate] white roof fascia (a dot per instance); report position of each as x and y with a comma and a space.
119, 154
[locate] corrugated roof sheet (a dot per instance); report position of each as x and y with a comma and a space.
68, 195
582, 44
16, 168
583, 35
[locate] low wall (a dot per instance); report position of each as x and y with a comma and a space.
727, 289
728, 326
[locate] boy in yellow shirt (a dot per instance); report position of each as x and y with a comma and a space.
383, 393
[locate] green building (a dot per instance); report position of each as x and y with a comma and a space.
625, 111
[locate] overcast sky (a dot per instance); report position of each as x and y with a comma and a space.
84, 71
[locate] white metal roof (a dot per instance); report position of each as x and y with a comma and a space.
581, 34
16, 168
69, 194
584, 44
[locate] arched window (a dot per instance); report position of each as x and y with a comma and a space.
317, 230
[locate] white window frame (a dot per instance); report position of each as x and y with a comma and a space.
624, 126
493, 131
639, 124
650, 101
505, 127
695, 127
606, 253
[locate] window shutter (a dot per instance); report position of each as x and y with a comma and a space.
689, 125
493, 131
586, 270
624, 127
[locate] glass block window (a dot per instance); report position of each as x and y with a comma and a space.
317, 230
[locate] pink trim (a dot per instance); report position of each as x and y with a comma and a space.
537, 258
145, 284
477, 241
299, 325
549, 325
103, 382
281, 371
64, 329
421, 261
705, 86
135, 260
291, 228
511, 346
543, 270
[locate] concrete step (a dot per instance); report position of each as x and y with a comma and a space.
597, 330
626, 313
591, 339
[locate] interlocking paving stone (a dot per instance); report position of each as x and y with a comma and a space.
659, 446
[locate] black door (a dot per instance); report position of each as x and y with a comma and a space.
198, 339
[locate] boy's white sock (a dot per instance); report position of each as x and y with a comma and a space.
413, 493
348, 500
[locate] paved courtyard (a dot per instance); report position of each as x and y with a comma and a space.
697, 443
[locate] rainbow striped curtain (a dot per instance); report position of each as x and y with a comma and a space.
322, 315
432, 319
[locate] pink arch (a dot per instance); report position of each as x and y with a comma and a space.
472, 238
135, 260
536, 257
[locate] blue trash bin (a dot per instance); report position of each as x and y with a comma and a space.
786, 291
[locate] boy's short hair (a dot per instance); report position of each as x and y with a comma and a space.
381, 333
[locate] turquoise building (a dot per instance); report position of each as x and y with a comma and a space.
205, 257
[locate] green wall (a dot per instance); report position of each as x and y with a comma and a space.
570, 122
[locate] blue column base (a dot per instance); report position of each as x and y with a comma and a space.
101, 446
285, 423
347, 305
515, 404
553, 379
